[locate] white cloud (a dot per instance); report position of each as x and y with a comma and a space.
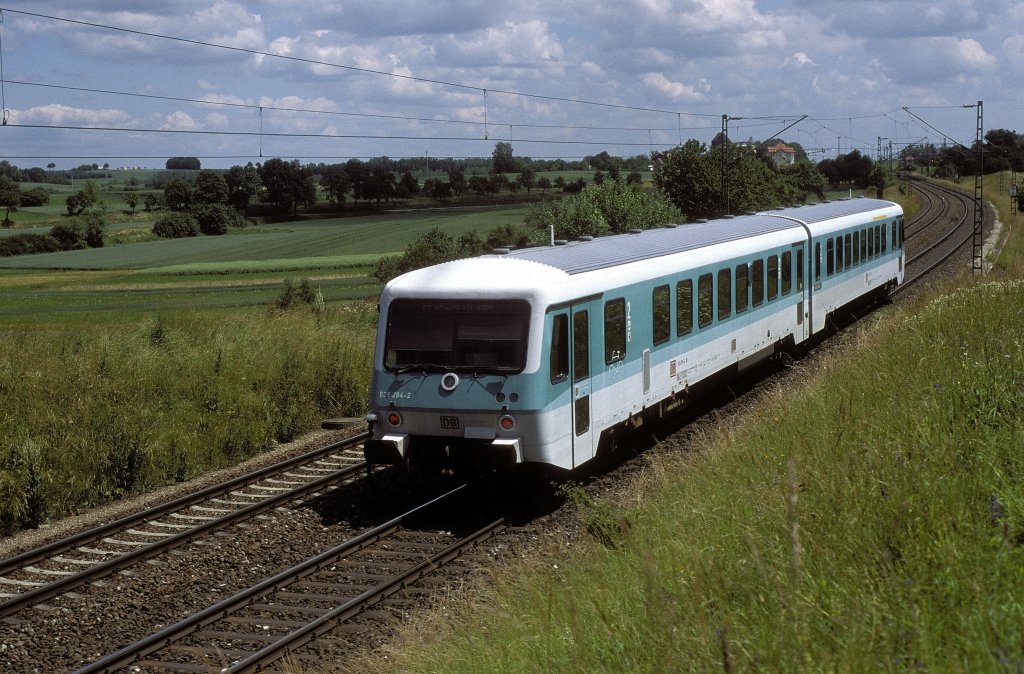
56, 114
675, 90
180, 121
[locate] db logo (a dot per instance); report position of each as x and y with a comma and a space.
450, 422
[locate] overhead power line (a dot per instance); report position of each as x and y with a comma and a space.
368, 71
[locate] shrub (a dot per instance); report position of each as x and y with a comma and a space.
69, 235
28, 244
214, 219
176, 226
93, 227
37, 196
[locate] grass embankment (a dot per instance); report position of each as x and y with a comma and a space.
111, 408
871, 519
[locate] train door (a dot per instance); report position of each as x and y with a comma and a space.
582, 432
804, 283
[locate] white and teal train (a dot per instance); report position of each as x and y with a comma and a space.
545, 355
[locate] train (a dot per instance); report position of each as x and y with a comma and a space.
547, 356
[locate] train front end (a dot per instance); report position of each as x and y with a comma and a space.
454, 373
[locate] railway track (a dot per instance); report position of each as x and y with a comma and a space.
277, 616
59, 567
935, 245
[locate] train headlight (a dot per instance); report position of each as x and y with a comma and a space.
394, 418
450, 381
507, 422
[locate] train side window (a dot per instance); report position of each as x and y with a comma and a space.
848, 260
581, 345
742, 287
895, 226
559, 348
885, 236
856, 248
724, 293
787, 272
839, 253
705, 297
773, 277
817, 262
684, 307
878, 240
830, 257
614, 331
757, 282
661, 315
799, 270
871, 242
864, 245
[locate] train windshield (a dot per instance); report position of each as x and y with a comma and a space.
464, 335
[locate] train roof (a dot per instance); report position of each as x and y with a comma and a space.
582, 256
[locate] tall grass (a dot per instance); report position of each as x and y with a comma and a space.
108, 409
872, 520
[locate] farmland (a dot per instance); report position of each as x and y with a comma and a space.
147, 361
243, 269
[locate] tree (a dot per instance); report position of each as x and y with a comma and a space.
10, 198
380, 182
152, 202
214, 219
176, 225
804, 179
606, 208
288, 185
210, 188
434, 247
244, 185
131, 200
502, 161
178, 195
478, 184
94, 226
82, 199
527, 179
686, 175
190, 163
457, 181
357, 175
408, 186
335, 182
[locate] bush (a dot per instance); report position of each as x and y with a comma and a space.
93, 226
28, 244
69, 235
176, 226
214, 219
37, 196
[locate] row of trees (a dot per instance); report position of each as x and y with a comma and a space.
1001, 150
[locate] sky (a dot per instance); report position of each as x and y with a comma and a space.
130, 83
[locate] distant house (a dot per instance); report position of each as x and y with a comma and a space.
781, 154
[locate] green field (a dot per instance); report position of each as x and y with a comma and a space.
244, 268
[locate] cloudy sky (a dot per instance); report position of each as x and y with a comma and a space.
127, 82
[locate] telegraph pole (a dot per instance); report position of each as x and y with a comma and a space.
978, 265
725, 164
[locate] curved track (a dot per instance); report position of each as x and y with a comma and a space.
943, 230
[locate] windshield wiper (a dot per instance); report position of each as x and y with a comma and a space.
420, 367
